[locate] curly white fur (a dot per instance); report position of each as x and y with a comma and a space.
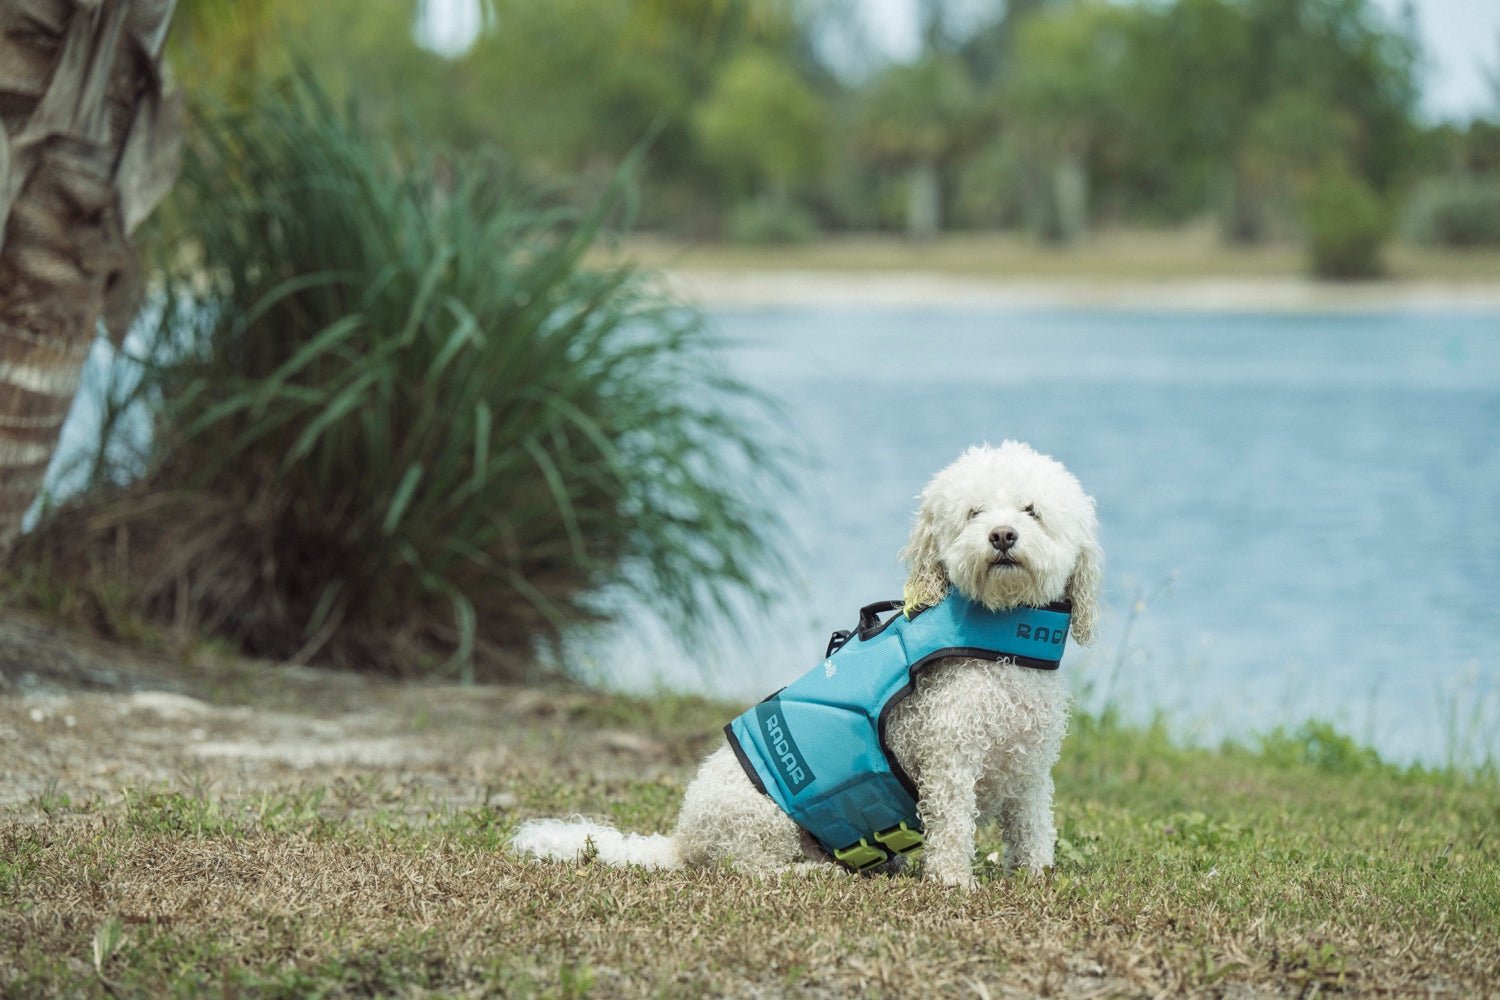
978, 738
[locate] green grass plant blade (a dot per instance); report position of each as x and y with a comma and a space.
481, 462
399, 502
345, 401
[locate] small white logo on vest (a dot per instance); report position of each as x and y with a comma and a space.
829, 669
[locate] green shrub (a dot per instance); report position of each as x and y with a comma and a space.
1456, 212
766, 221
398, 419
1346, 226
1320, 745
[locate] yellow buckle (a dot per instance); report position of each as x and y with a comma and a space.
901, 838
861, 855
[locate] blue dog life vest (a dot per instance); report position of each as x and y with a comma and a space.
817, 747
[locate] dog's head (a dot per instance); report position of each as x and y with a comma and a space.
1007, 526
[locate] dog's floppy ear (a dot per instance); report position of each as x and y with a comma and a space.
926, 580
1083, 591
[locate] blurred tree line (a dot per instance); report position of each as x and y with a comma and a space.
769, 120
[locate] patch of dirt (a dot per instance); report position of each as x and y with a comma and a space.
82, 719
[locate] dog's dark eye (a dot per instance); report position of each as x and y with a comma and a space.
1031, 509
975, 512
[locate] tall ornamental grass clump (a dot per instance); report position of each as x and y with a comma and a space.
399, 420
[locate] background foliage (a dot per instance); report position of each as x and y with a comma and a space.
378, 357
1058, 115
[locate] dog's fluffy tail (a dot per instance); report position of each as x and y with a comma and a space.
571, 839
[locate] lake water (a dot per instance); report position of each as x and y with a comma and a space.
1301, 512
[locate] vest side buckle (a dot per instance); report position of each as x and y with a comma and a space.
900, 838
861, 855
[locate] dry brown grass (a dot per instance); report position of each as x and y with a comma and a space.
354, 846
359, 911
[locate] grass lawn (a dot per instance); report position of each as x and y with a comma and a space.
301, 837
1112, 255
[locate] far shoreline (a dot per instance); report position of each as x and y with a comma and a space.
750, 288
1185, 269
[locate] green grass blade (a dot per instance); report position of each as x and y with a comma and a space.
399, 502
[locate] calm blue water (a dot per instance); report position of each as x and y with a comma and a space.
1301, 512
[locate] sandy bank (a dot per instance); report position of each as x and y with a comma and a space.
750, 288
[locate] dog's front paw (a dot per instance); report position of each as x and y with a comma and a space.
1030, 871
961, 879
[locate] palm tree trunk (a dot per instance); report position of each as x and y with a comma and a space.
89, 145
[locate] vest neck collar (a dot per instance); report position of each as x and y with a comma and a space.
910, 607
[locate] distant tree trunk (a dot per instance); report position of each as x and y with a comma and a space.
1070, 197
1244, 221
89, 145
924, 201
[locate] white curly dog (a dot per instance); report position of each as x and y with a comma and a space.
1006, 526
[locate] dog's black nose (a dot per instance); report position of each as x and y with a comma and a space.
1003, 539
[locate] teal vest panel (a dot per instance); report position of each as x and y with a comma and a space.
817, 747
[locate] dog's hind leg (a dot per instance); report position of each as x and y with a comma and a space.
726, 820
